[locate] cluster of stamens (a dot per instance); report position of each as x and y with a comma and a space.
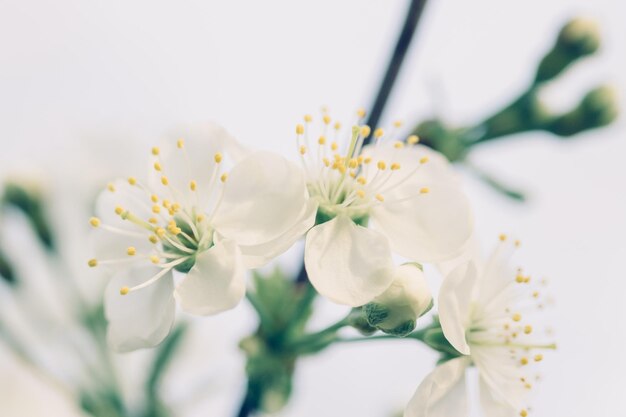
346, 179
177, 227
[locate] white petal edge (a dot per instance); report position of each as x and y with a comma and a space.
142, 318
347, 263
216, 282
455, 298
255, 256
442, 393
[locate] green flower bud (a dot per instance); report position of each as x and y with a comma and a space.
577, 39
397, 309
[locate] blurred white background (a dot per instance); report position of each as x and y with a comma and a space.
76, 69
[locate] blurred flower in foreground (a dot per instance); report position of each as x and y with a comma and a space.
193, 218
485, 312
409, 193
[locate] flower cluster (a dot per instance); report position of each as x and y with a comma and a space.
211, 209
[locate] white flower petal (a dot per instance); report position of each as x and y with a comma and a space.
263, 199
346, 263
255, 256
491, 407
455, 297
427, 227
215, 283
142, 318
442, 393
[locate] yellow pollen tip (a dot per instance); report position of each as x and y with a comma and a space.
538, 357
360, 193
322, 140
326, 161
398, 145
337, 126
397, 123
164, 180
308, 118
365, 131
381, 165
302, 150
412, 140
528, 329
111, 187
367, 160
132, 180
523, 413
92, 263
423, 160
154, 198
361, 113
353, 163
502, 237
157, 166
153, 239
156, 209
361, 180
224, 177
334, 146
326, 119
378, 133
395, 166
524, 361
180, 143
424, 190
154, 259
131, 251
199, 218
218, 158
519, 278
94, 221
124, 290
160, 231
193, 185
517, 317
156, 151
119, 210
379, 197
342, 169
517, 243
299, 129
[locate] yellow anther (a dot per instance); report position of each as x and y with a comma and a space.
326, 119
519, 278
361, 113
397, 123
517, 243
365, 131
156, 151
176, 207
160, 232
193, 185
164, 180
342, 169
524, 361
111, 187
156, 209
322, 140
413, 139
132, 180
153, 239
517, 317
528, 329
199, 218
502, 237
131, 251
395, 166
218, 158
527, 279
180, 143
378, 133
337, 126
94, 221
538, 357
423, 159
326, 161
154, 198
166, 203
381, 165
299, 129
361, 180
398, 145
367, 160
527, 386
353, 174
536, 294
523, 413
379, 197
224, 177
353, 163
360, 159
360, 193
308, 118
424, 190
92, 263
119, 210
124, 290
154, 259
157, 166
302, 149
334, 146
